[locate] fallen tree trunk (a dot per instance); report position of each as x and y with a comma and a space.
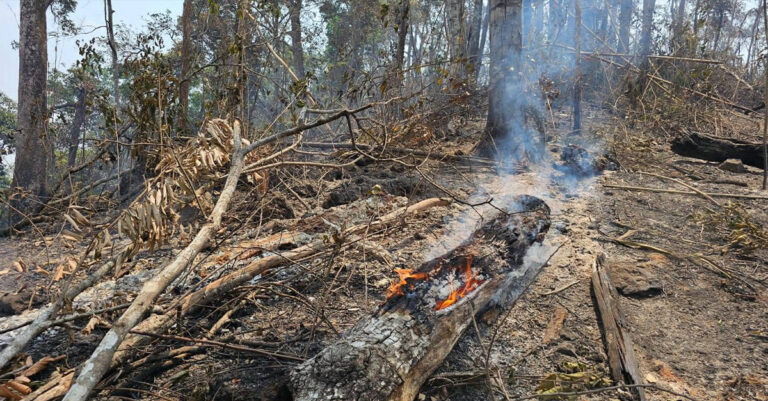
705, 147
389, 355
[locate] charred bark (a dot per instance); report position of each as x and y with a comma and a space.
296, 41
77, 126
505, 108
389, 355
33, 147
625, 24
714, 149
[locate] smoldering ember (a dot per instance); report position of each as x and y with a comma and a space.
438, 200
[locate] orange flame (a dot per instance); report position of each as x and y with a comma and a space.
470, 284
396, 288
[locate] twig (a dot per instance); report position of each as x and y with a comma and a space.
604, 389
67, 318
692, 188
235, 347
672, 191
561, 289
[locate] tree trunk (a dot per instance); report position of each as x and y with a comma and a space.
296, 41
473, 40
625, 24
577, 69
30, 172
402, 33
457, 28
77, 126
505, 111
389, 355
483, 39
765, 114
108, 14
647, 31
186, 63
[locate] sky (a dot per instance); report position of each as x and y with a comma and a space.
63, 52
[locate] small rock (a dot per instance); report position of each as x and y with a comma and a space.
560, 226
567, 350
732, 165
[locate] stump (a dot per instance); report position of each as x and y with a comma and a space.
389, 355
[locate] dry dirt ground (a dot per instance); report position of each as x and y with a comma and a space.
695, 306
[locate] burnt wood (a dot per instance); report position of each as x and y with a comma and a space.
389, 355
621, 352
706, 147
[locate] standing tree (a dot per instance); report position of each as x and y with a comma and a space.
625, 24
505, 111
647, 31
296, 42
457, 34
186, 63
474, 52
33, 148
577, 68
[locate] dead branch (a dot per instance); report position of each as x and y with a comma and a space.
692, 188
264, 266
235, 347
43, 320
673, 191
100, 361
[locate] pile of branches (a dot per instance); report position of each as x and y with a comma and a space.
188, 176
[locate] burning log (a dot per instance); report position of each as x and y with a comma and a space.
389, 355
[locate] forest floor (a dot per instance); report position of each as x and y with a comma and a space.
699, 326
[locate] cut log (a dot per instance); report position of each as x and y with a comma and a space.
621, 353
706, 147
389, 355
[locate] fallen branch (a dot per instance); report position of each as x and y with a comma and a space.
604, 389
101, 359
673, 191
264, 266
235, 347
43, 320
675, 180
421, 153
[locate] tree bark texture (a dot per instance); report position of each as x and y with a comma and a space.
296, 41
505, 108
457, 34
33, 147
647, 32
77, 126
389, 355
577, 68
474, 52
625, 24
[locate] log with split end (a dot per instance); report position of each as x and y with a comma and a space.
389, 355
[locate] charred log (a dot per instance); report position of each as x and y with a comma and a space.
705, 147
389, 355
